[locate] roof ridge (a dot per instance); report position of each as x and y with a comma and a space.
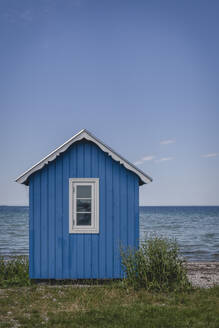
84, 133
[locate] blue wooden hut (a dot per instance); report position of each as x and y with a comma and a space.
84, 204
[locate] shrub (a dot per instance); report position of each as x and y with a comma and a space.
156, 265
14, 272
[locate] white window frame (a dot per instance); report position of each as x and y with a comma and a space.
94, 227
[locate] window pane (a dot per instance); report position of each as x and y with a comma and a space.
83, 191
83, 205
83, 219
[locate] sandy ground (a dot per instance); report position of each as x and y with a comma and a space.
203, 274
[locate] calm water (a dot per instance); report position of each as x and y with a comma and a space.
195, 228
14, 238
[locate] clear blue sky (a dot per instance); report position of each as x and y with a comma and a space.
143, 76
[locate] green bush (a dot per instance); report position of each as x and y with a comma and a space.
156, 265
14, 272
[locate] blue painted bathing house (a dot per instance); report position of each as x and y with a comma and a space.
84, 204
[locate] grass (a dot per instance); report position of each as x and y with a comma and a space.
14, 272
107, 306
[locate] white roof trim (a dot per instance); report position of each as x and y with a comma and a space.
83, 134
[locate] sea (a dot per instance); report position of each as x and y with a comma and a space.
195, 228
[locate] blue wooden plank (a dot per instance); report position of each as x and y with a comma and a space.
80, 237
123, 207
136, 204
73, 252
51, 220
58, 201
130, 223
109, 218
44, 225
120, 219
123, 210
37, 227
102, 236
95, 237
116, 221
87, 237
31, 228
65, 222
133, 211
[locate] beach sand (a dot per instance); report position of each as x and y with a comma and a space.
203, 274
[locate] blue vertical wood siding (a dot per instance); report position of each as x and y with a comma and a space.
56, 254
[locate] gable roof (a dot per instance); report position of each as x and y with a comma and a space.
83, 134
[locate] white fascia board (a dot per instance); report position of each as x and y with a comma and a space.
83, 134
